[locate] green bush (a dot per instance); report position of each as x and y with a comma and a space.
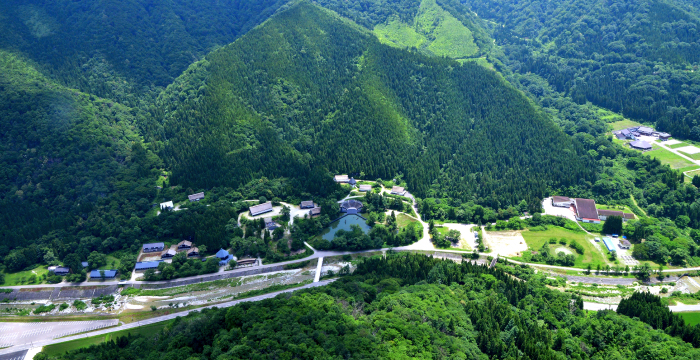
79, 305
44, 308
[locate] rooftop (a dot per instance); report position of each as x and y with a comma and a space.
341, 178
639, 144
221, 254
307, 204
153, 245
108, 274
560, 199
365, 187
195, 197
261, 208
585, 209
610, 213
147, 265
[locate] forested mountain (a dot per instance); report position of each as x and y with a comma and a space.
65, 158
310, 90
639, 58
124, 49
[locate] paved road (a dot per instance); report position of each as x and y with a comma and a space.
16, 333
601, 281
154, 320
18, 355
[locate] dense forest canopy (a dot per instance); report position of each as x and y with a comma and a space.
124, 49
639, 58
338, 98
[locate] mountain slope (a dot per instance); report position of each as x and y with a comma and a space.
308, 90
66, 156
121, 49
639, 58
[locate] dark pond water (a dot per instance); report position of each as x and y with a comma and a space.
344, 224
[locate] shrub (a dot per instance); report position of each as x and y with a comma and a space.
79, 305
63, 306
44, 308
576, 246
552, 240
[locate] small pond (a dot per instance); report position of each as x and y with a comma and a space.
344, 223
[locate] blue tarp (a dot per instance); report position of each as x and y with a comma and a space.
609, 244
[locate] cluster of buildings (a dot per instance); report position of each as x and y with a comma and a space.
636, 132
344, 179
94, 274
624, 244
586, 211
183, 245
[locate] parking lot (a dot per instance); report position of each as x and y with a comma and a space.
22, 333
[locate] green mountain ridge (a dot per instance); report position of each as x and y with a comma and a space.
339, 99
66, 155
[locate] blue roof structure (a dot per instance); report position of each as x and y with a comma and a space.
109, 274
226, 260
84, 263
222, 254
145, 265
609, 244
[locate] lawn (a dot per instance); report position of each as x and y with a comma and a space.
402, 220
62, 348
677, 145
22, 277
112, 263
591, 255
623, 124
623, 208
691, 318
669, 158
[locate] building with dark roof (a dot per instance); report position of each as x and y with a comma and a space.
153, 247
664, 136
586, 210
365, 187
184, 245
628, 216
315, 211
59, 270
306, 204
640, 145
351, 206
260, 209
562, 201
193, 252
168, 254
196, 197
624, 244
604, 214
98, 274
146, 265
271, 224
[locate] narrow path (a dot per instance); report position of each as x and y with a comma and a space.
319, 266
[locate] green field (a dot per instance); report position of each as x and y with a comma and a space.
22, 277
623, 124
112, 263
669, 158
402, 220
535, 240
691, 318
623, 208
677, 145
61, 348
